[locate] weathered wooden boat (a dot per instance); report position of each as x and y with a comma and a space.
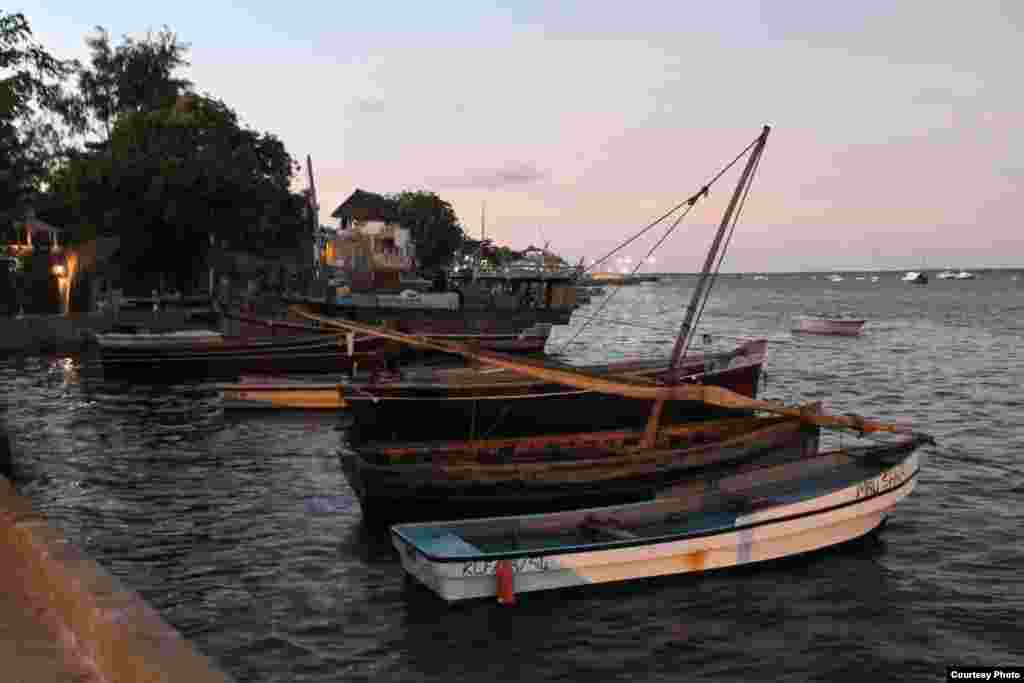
531, 339
401, 482
826, 324
147, 357
467, 402
766, 510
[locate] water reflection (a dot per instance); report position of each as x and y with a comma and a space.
241, 530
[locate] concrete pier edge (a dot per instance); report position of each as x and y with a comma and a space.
125, 639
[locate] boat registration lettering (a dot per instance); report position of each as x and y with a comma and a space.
523, 564
886, 481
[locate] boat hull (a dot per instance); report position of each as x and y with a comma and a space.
460, 480
811, 512
232, 357
422, 412
444, 409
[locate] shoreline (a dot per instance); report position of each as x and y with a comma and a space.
72, 333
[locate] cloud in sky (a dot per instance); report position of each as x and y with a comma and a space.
511, 174
891, 120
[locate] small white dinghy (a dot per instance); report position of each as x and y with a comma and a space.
916, 277
826, 324
183, 339
747, 514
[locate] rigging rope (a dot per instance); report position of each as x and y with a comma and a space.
689, 204
721, 255
657, 244
703, 192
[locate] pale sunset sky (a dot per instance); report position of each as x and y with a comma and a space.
897, 141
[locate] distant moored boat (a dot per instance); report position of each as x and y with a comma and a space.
915, 277
829, 325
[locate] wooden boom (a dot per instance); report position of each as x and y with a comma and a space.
633, 387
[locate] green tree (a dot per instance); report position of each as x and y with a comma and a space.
35, 109
503, 255
434, 228
177, 176
136, 76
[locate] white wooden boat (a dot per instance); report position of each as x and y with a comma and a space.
915, 277
184, 339
959, 275
829, 325
745, 515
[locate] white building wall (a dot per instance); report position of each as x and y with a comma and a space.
373, 228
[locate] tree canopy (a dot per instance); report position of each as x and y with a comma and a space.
131, 151
492, 254
166, 170
176, 176
136, 76
433, 225
34, 109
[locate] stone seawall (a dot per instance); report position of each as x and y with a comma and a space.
102, 628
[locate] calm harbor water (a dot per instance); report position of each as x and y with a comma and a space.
241, 530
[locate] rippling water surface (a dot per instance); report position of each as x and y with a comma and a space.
241, 529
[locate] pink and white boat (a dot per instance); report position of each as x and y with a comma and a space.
829, 325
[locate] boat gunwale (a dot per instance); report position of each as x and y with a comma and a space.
539, 442
448, 379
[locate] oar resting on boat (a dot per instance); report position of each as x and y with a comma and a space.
630, 387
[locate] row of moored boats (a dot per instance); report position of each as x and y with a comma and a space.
510, 472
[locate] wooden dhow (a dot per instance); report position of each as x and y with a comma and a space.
660, 392
667, 388
402, 482
469, 403
493, 403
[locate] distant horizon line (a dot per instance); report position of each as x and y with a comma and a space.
985, 269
